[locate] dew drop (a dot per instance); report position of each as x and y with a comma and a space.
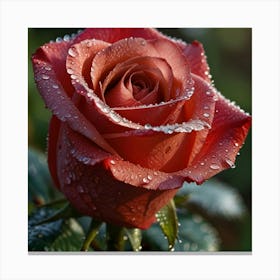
230, 163
70, 71
66, 38
55, 86
80, 189
45, 77
48, 68
214, 166
236, 144
150, 177
145, 180
72, 52
206, 107
112, 162
206, 115
202, 163
148, 126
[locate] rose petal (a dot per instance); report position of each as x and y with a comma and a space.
95, 191
229, 130
129, 48
79, 60
141, 177
197, 59
57, 100
54, 129
55, 54
165, 75
112, 35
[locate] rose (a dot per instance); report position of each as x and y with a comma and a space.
134, 116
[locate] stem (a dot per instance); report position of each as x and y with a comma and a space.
93, 231
115, 238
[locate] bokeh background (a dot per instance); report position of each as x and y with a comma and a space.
228, 53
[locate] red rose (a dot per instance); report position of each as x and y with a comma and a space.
134, 116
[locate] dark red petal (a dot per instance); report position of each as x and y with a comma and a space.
57, 100
112, 35
96, 191
139, 176
229, 130
55, 54
197, 59
54, 129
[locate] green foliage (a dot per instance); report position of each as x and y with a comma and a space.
40, 237
214, 198
194, 234
69, 239
135, 238
167, 219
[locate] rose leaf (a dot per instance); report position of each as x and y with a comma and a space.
213, 199
135, 237
168, 222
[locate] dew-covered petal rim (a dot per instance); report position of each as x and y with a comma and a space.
197, 59
138, 176
55, 54
61, 105
229, 130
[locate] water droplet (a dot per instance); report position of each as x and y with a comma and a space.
80, 189
55, 86
66, 38
72, 52
230, 163
206, 107
48, 68
206, 115
208, 92
214, 166
70, 71
112, 162
145, 180
236, 144
45, 77
58, 39
150, 177
148, 126
202, 163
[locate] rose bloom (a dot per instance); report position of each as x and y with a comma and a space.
134, 116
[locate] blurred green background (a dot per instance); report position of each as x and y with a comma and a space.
228, 53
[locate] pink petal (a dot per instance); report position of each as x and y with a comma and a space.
197, 59
58, 101
55, 54
229, 130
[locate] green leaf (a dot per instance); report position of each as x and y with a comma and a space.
195, 234
42, 236
167, 219
213, 198
135, 238
40, 188
64, 213
92, 233
70, 238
